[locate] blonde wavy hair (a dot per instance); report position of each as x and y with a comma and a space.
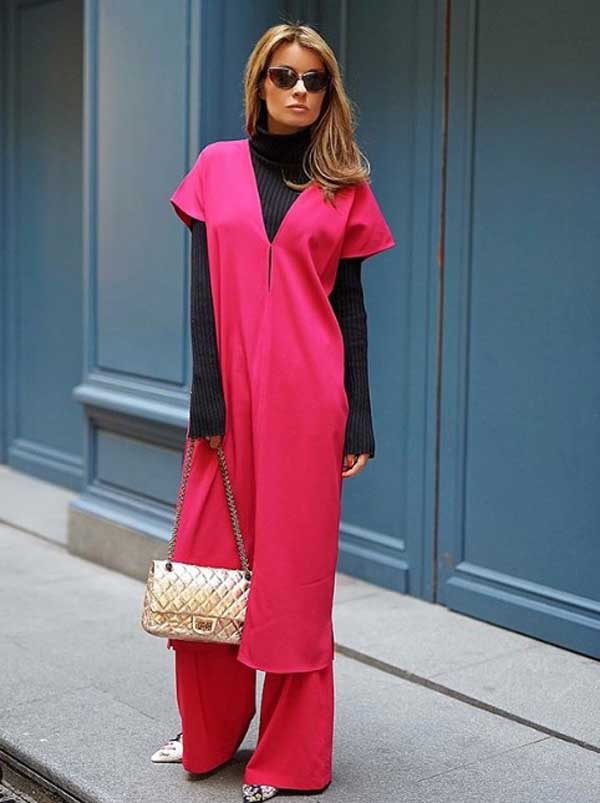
333, 159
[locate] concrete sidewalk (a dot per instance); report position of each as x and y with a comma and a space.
430, 705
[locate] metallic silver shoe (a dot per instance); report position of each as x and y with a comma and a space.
171, 752
252, 793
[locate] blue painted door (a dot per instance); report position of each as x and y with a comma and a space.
519, 504
44, 435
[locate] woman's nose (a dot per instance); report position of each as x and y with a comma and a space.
299, 87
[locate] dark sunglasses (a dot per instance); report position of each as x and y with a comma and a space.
286, 78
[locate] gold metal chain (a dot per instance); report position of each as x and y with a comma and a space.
187, 464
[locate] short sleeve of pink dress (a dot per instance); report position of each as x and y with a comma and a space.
187, 200
367, 232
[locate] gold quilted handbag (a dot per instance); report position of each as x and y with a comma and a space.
198, 603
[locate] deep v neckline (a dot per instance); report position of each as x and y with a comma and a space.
258, 202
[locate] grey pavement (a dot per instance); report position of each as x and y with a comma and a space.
430, 705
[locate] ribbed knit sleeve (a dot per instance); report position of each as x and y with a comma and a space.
347, 300
207, 406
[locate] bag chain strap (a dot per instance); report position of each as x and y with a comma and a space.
187, 464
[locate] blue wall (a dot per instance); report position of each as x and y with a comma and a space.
481, 332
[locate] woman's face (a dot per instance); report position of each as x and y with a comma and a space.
283, 118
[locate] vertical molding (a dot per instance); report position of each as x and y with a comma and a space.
4, 162
343, 37
90, 206
195, 78
423, 301
454, 411
9, 279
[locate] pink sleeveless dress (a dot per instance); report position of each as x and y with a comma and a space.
281, 354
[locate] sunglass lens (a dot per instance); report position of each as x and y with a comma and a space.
282, 77
315, 81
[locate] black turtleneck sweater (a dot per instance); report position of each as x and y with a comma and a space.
272, 154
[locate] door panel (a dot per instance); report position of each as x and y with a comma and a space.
520, 450
44, 212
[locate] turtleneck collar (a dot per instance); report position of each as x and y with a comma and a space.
278, 149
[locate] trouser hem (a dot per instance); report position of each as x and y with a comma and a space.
214, 766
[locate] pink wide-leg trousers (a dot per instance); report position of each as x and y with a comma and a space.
216, 696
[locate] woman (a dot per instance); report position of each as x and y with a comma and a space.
280, 222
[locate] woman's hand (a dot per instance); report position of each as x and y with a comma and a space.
214, 441
354, 464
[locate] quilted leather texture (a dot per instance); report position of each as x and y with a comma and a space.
195, 603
